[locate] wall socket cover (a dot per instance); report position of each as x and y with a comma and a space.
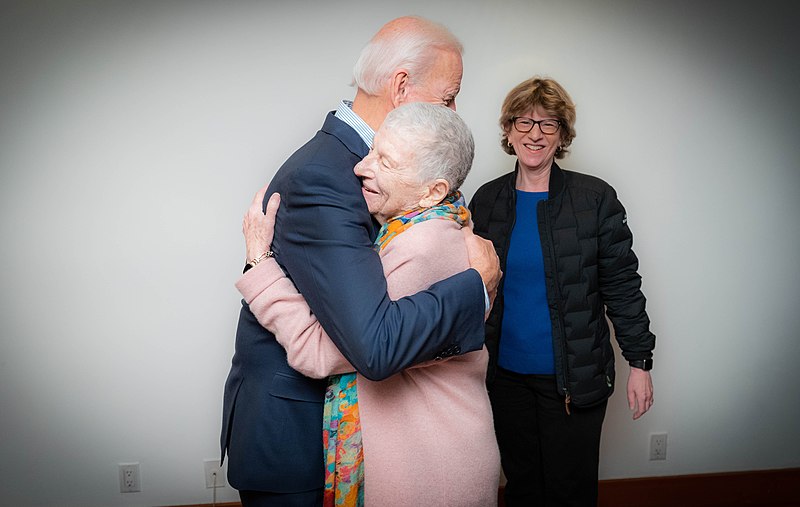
129, 478
658, 447
212, 467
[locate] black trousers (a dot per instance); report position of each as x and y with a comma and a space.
549, 458
263, 499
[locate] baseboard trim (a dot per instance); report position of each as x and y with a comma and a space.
762, 488
218, 504
758, 488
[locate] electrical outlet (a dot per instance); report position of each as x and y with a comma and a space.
215, 475
658, 446
129, 478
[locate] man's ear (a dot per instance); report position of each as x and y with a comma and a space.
399, 87
435, 193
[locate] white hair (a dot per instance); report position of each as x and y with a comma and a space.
413, 49
442, 142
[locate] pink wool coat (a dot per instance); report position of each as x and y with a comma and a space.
427, 432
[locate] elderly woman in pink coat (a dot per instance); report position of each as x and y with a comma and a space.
424, 436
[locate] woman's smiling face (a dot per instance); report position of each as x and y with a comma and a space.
389, 180
534, 149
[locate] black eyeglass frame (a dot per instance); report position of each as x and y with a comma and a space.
534, 123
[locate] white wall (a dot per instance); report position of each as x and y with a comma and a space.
134, 134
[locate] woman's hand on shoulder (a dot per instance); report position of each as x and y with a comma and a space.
258, 226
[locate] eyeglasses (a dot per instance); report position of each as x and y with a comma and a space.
525, 125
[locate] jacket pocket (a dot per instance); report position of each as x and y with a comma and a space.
297, 388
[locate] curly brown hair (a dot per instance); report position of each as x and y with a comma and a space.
550, 96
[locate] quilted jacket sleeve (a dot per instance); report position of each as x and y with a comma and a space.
620, 283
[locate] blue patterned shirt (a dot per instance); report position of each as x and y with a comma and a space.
345, 113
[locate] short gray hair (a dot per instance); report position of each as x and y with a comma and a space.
411, 43
443, 144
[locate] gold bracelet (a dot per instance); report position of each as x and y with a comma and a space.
263, 256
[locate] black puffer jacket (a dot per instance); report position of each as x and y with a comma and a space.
590, 270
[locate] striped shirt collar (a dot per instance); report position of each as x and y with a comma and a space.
345, 113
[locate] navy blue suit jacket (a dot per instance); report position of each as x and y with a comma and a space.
272, 415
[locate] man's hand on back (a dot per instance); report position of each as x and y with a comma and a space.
483, 259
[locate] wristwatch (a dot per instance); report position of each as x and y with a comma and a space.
642, 364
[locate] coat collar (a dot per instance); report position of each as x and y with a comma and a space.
555, 185
345, 133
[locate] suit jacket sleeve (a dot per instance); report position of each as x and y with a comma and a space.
323, 229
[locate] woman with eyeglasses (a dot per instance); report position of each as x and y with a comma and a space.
565, 250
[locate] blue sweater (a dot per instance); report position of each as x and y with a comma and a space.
527, 343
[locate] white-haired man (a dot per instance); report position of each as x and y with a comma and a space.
272, 415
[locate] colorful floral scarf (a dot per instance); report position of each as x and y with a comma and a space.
341, 433
453, 207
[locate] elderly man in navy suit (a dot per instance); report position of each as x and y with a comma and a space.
272, 415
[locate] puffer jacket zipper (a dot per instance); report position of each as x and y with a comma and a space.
513, 212
560, 339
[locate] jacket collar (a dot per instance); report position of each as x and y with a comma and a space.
555, 186
345, 133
